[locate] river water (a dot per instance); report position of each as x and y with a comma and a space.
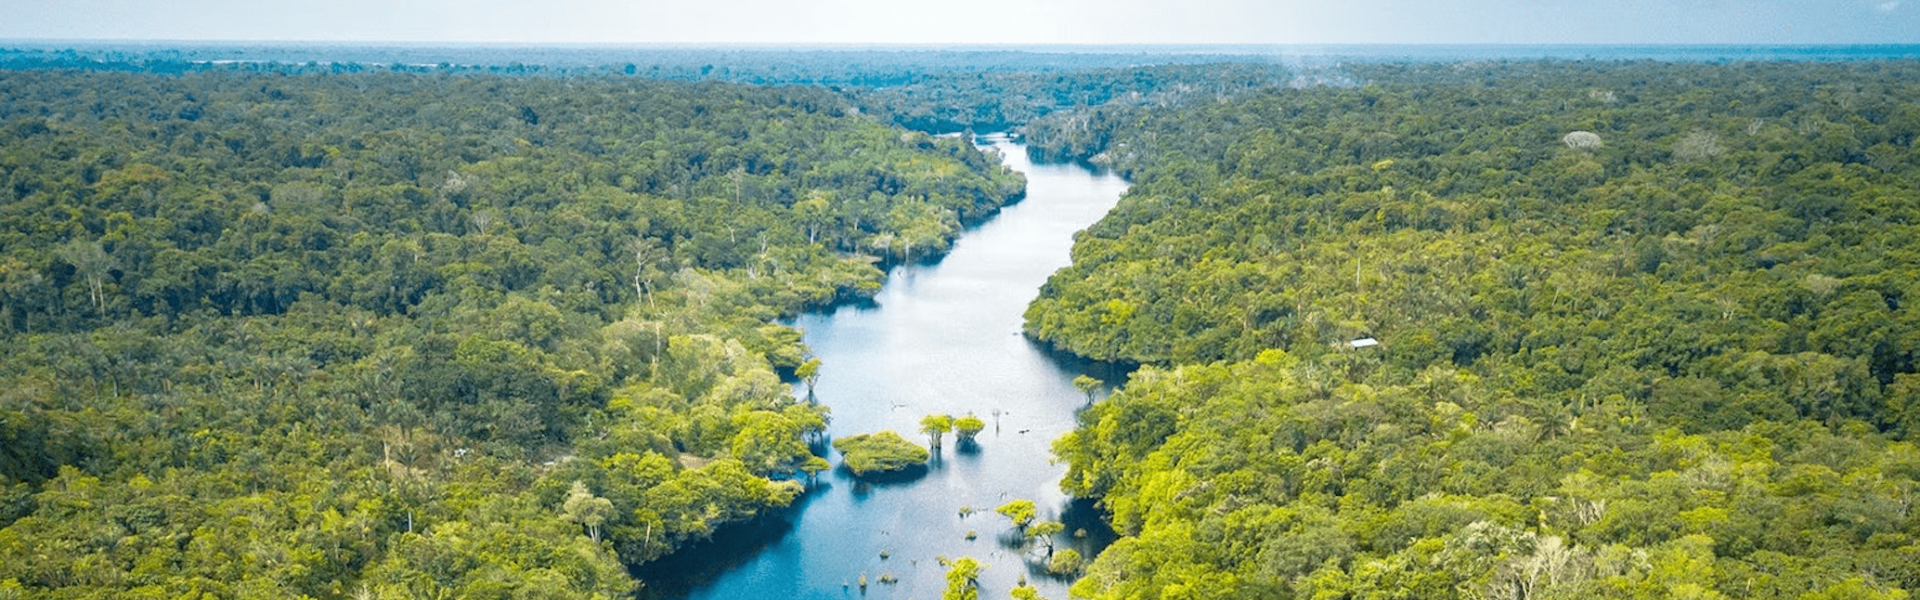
940, 338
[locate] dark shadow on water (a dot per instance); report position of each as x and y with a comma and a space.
1114, 373
732, 546
968, 448
1037, 569
1011, 539
1042, 158
856, 303
1082, 515
1035, 559
1087, 532
863, 484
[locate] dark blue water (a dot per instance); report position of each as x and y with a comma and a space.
938, 339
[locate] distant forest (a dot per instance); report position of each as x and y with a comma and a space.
339, 330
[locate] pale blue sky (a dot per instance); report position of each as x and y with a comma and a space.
975, 21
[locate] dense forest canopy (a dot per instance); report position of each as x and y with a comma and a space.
401, 335
932, 90
305, 329
1645, 330
830, 65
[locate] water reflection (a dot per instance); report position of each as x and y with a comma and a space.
904, 476
697, 567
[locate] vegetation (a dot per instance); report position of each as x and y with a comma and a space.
1025, 592
809, 373
963, 579
967, 427
879, 452
403, 335
950, 102
1066, 562
328, 331
1044, 531
964, 429
1670, 356
1020, 512
1087, 385
936, 428
1026, 530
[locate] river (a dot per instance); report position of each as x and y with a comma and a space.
941, 338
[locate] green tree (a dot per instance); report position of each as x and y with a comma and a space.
768, 442
587, 509
1025, 592
1044, 532
93, 263
1066, 562
1087, 385
809, 373
936, 428
967, 427
963, 580
813, 466
1020, 512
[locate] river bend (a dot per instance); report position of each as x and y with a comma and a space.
940, 338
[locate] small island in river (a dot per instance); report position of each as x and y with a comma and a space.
882, 452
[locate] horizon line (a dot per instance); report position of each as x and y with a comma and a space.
940, 45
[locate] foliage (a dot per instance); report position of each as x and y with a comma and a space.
1087, 385
809, 373
936, 428
292, 330
1676, 363
879, 452
967, 427
422, 335
1044, 531
1025, 98
963, 580
1019, 511
586, 509
1025, 592
1066, 562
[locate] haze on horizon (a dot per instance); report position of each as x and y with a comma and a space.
982, 22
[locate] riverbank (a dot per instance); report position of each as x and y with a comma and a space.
939, 338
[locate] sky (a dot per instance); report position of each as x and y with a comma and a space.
970, 22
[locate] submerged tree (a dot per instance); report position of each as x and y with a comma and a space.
813, 466
809, 373
1044, 532
936, 427
1021, 512
963, 580
965, 428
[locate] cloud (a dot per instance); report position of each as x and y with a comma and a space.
1889, 6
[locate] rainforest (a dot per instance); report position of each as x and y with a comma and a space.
1396, 327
